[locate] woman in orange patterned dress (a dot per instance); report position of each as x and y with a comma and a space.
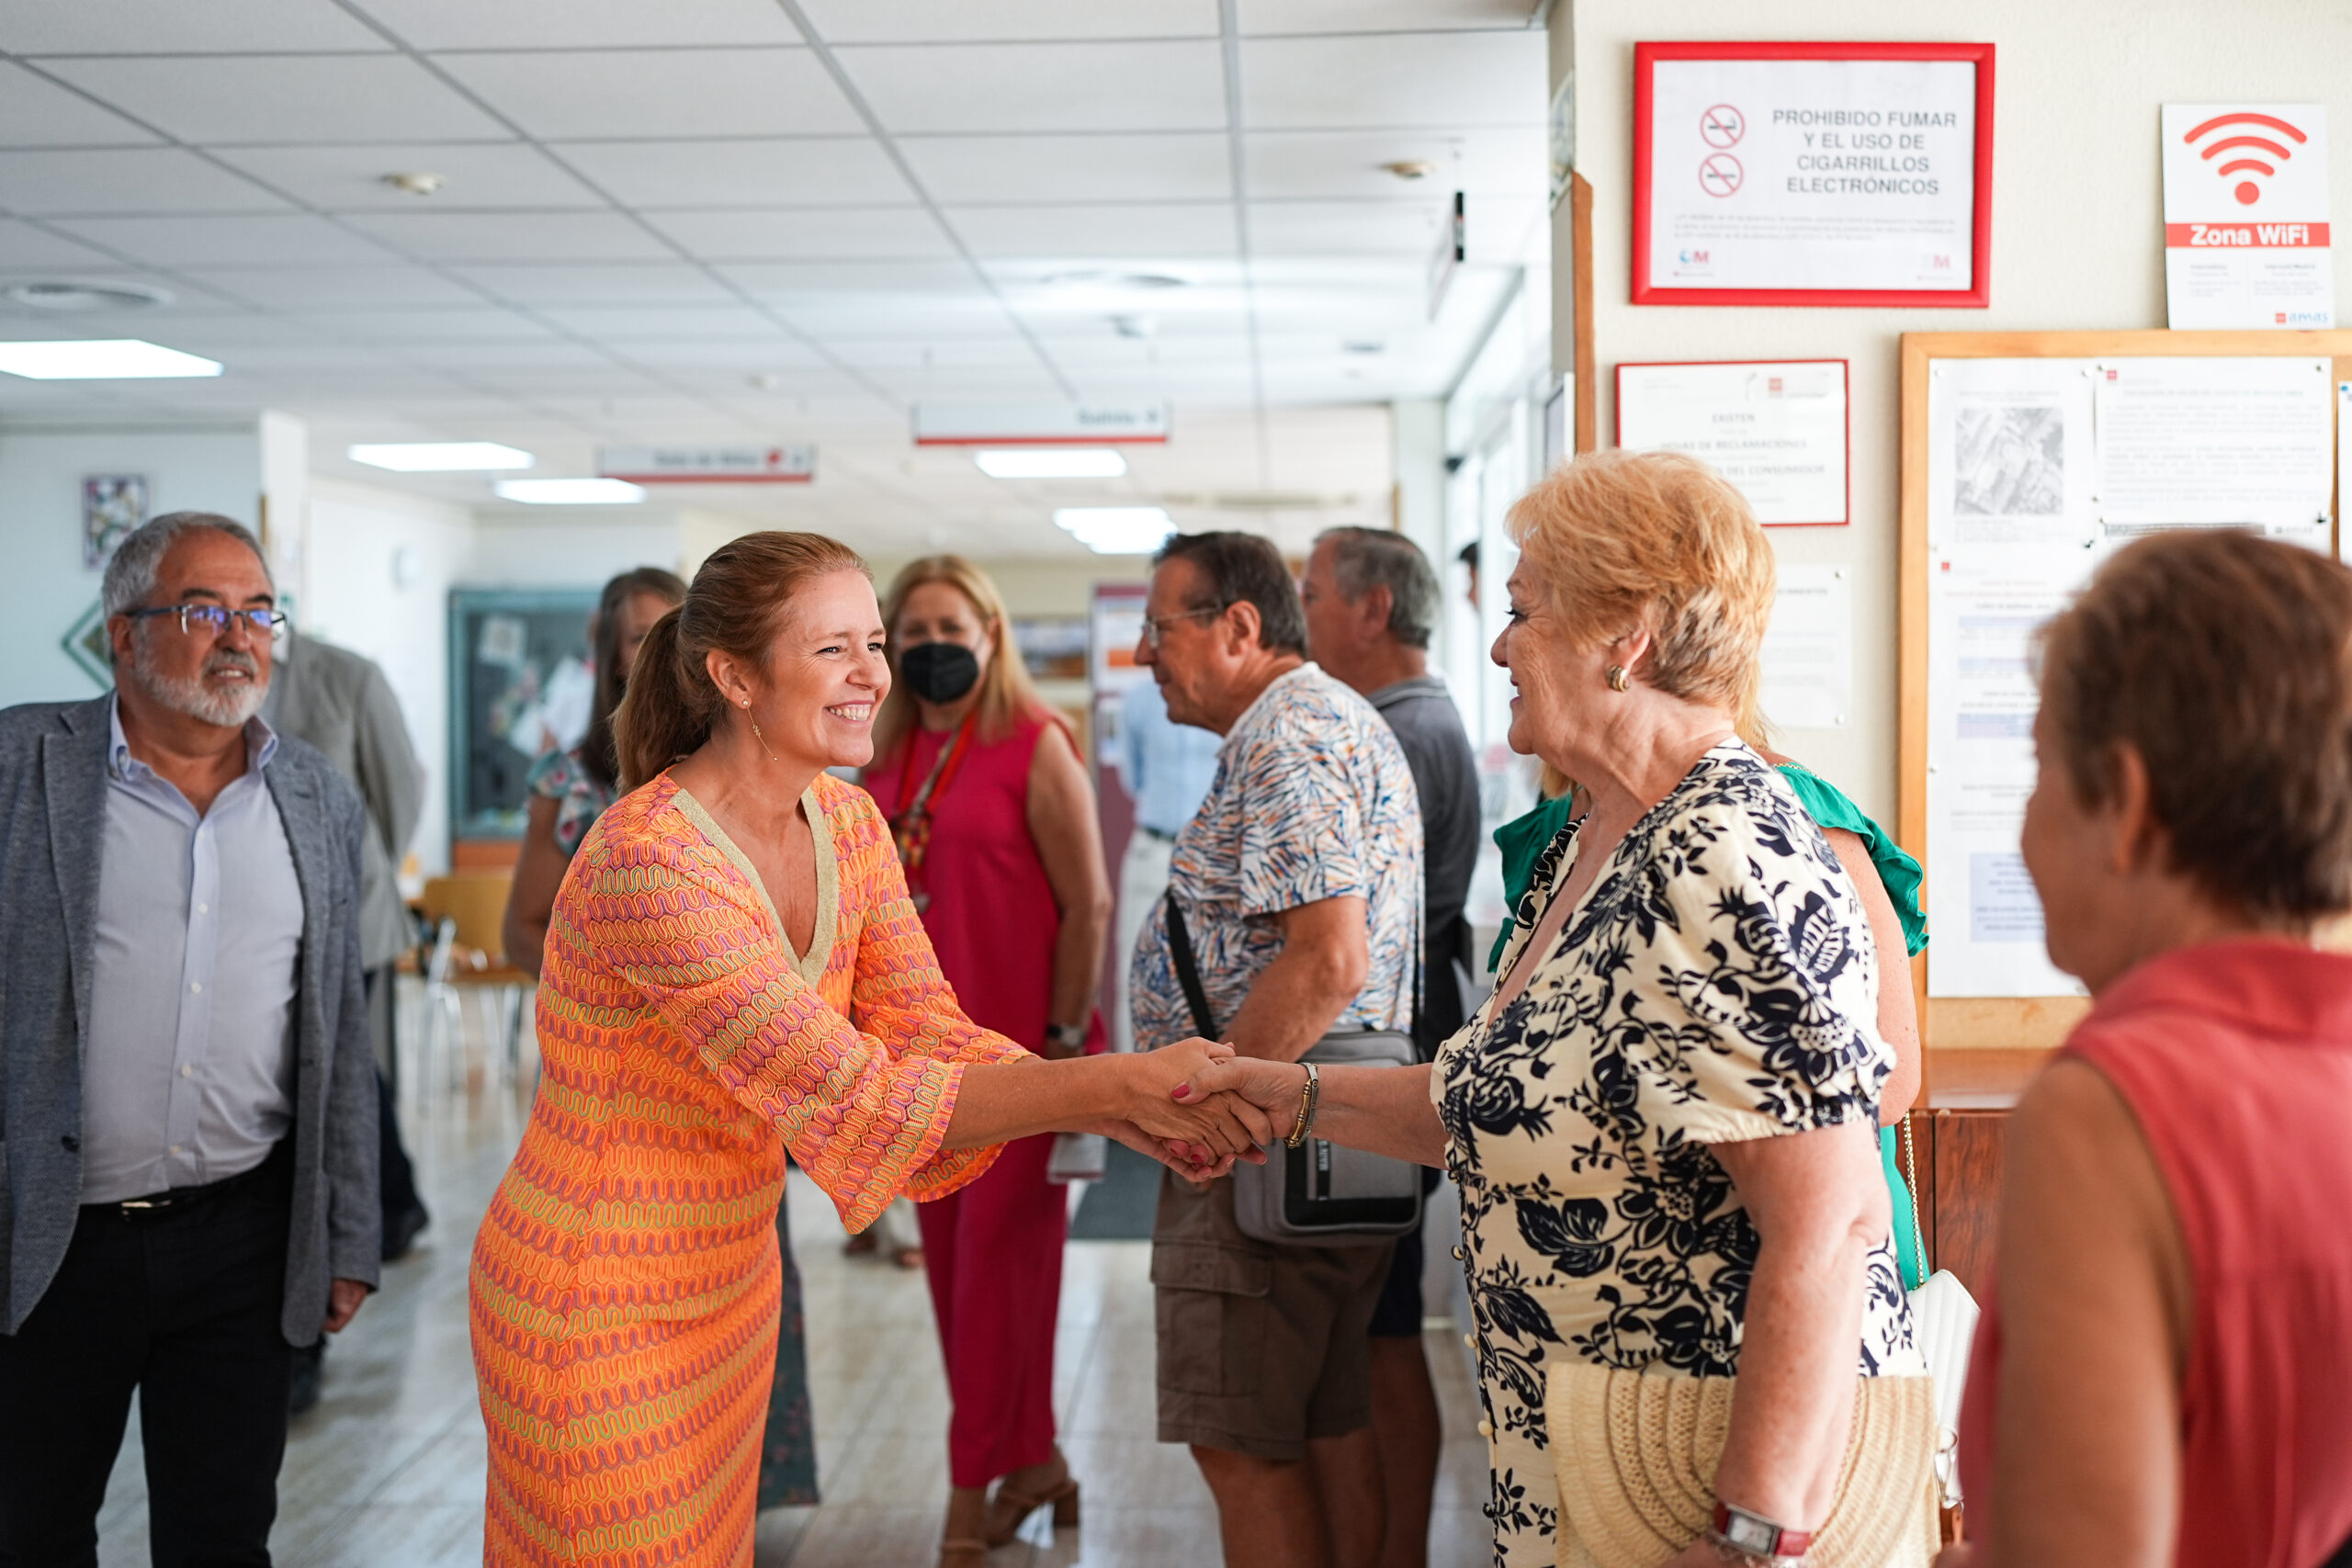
734, 968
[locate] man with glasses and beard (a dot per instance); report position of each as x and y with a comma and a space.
187, 1095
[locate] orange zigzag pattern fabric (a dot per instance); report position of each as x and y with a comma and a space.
626, 1282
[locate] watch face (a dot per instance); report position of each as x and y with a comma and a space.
1752, 1535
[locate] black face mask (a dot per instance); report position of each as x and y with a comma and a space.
938, 671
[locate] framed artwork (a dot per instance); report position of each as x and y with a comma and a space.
112, 505
1053, 647
84, 643
1812, 174
520, 686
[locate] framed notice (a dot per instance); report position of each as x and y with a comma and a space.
1775, 428
1812, 174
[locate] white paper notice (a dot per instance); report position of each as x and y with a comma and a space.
2009, 454
2246, 216
1776, 431
2249, 440
1808, 654
1811, 173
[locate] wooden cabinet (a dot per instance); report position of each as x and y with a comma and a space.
1955, 1156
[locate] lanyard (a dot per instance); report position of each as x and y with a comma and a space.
911, 823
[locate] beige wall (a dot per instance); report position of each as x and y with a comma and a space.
2078, 226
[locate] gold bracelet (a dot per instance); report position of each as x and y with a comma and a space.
1308, 1099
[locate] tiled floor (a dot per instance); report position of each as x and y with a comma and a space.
387, 1472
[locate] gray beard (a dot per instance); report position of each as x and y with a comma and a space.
230, 708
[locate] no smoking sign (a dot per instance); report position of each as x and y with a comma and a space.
1720, 174
1721, 126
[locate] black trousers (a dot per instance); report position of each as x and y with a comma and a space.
181, 1306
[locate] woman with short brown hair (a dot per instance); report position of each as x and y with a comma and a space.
2164, 1371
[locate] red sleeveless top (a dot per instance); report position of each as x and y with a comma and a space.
990, 916
2235, 1059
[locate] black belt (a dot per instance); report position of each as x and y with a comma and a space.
178, 1198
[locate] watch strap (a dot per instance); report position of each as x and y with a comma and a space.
1759, 1537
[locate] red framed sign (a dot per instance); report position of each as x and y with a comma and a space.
1812, 174
1779, 430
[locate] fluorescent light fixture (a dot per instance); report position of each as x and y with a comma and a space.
570, 493
439, 457
1116, 530
1052, 463
101, 359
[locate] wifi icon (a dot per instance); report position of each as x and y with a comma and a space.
2247, 192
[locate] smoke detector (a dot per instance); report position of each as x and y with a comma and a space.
415, 185
66, 296
1411, 168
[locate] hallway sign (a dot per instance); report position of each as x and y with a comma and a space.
708, 465
2245, 217
1040, 423
1812, 174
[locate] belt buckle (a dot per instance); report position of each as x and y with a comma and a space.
130, 1203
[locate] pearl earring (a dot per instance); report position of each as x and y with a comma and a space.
759, 738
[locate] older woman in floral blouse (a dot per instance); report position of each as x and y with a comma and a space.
1662, 1121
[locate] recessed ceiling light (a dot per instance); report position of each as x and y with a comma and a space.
101, 359
415, 185
1099, 277
570, 493
88, 296
1052, 463
439, 457
1116, 530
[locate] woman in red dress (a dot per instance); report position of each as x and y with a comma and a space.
995, 822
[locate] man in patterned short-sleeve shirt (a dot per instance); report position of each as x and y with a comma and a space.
1299, 881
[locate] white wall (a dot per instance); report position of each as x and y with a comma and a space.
2078, 227
380, 565
46, 586
579, 549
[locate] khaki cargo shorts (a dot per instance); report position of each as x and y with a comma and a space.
1261, 1347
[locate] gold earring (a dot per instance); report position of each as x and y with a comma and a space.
1617, 678
759, 738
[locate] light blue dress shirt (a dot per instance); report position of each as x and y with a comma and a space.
1167, 766
188, 1075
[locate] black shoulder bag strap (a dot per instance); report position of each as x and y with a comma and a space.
1188, 968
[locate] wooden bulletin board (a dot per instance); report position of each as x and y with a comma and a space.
2013, 1023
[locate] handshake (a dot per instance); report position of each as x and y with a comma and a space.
1198, 1106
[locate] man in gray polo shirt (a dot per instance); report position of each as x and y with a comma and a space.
189, 1120
1370, 602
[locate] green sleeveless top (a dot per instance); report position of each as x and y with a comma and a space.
1524, 841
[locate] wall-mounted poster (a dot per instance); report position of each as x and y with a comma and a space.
1812, 174
112, 505
520, 687
1774, 428
2245, 217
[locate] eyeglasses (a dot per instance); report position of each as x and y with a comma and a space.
215, 620
1154, 627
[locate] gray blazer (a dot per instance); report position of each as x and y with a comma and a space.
52, 825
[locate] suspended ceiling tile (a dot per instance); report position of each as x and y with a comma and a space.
24, 245
1173, 230
178, 26
1394, 80
907, 233
1384, 15
630, 283
351, 179
630, 324
900, 355
1342, 227
582, 24
36, 112
328, 288
124, 179
284, 98
217, 239
800, 281
817, 170
972, 21
425, 327
660, 93
514, 236
738, 353
1176, 85
1178, 166
1509, 161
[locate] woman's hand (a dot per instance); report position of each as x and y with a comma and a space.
1225, 1125
1274, 1088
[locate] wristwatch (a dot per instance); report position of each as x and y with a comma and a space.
1756, 1537
1069, 1036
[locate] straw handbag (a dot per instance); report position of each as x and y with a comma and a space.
1636, 1455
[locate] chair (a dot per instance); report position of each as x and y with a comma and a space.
463, 916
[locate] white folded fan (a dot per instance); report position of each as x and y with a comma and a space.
1943, 1320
